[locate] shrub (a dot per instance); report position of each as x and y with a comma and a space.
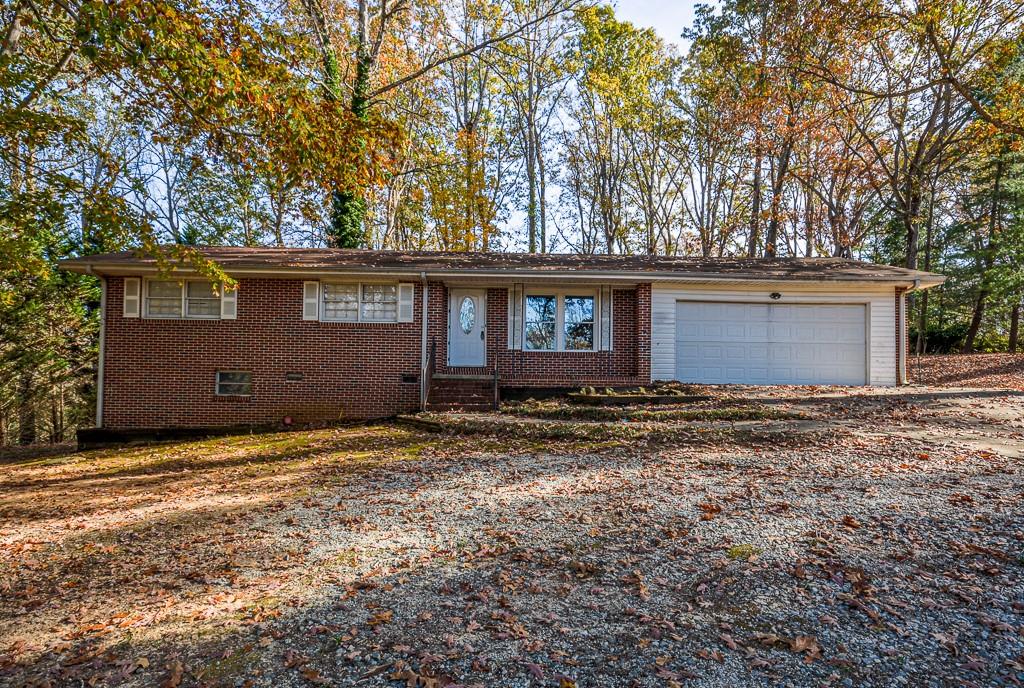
946, 339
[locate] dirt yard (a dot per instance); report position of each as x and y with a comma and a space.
791, 537
1005, 371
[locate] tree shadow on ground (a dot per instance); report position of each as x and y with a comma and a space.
480, 621
612, 578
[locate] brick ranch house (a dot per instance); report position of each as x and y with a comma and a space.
315, 335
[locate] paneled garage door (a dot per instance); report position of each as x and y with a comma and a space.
766, 344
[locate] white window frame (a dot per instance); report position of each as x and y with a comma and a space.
560, 295
322, 302
183, 295
216, 383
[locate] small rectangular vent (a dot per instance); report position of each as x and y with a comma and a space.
410, 379
293, 377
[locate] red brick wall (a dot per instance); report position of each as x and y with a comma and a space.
629, 361
162, 373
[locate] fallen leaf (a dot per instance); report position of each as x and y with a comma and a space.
176, 671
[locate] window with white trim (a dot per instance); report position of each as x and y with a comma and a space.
234, 383
578, 323
201, 300
559, 321
193, 299
341, 302
539, 322
360, 302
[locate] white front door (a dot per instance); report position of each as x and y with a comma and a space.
467, 319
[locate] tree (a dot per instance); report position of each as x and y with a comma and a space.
374, 32
616, 64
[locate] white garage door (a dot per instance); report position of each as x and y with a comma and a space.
768, 344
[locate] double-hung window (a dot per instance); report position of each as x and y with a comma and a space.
578, 323
341, 302
379, 302
163, 299
559, 321
201, 300
196, 299
360, 302
540, 322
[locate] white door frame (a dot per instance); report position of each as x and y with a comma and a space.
455, 296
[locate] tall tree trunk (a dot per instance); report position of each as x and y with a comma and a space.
911, 209
976, 318
531, 191
922, 316
542, 201
348, 209
755, 205
771, 240
809, 226
56, 431
1014, 327
988, 260
26, 410
532, 155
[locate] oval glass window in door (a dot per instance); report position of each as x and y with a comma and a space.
467, 315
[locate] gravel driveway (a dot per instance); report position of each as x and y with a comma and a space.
878, 541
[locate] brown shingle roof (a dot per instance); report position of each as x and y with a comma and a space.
309, 260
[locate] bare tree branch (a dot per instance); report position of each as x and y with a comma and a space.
501, 38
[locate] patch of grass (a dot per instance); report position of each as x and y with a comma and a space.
593, 434
583, 437
744, 552
666, 389
347, 558
558, 411
230, 666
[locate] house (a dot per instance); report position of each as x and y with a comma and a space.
313, 335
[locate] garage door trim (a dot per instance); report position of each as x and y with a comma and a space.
865, 304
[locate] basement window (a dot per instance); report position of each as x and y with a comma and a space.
234, 383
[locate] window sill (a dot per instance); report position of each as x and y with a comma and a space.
179, 318
562, 351
359, 322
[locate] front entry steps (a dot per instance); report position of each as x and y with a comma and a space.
461, 393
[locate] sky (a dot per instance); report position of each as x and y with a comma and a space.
667, 17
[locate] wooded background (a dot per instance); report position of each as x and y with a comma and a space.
887, 130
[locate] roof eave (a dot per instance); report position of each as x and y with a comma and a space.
918, 281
